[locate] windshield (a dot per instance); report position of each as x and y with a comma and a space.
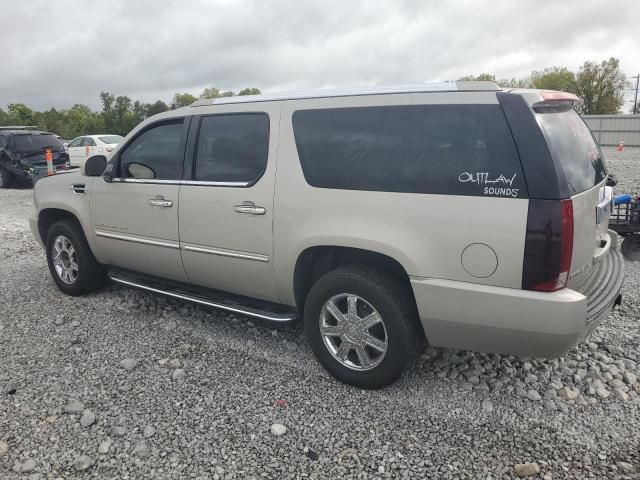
573, 148
36, 142
111, 139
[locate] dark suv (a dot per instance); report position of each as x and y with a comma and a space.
22, 153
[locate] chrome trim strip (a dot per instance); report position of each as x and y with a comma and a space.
128, 238
214, 184
152, 181
145, 180
273, 317
226, 253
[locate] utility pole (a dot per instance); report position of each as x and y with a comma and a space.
635, 99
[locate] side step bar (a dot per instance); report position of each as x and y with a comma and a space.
201, 300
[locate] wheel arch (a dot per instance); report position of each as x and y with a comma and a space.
315, 261
48, 216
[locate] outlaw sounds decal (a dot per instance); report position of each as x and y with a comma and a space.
498, 186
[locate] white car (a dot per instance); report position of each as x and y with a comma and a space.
84, 147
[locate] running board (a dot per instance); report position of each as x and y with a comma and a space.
279, 317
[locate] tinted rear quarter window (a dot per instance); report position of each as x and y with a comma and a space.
436, 149
36, 142
573, 147
232, 148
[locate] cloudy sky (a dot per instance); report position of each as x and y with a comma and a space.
65, 52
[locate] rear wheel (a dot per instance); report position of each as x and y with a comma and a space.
362, 325
6, 178
71, 262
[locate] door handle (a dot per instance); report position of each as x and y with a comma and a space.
160, 201
250, 208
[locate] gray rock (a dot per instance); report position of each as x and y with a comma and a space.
533, 395
526, 469
118, 431
602, 392
621, 395
129, 364
568, 393
178, 374
625, 467
148, 431
140, 448
104, 446
28, 466
487, 406
614, 350
74, 407
278, 429
82, 463
630, 378
88, 418
174, 363
4, 447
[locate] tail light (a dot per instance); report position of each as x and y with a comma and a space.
548, 245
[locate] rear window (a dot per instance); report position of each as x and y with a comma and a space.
36, 142
111, 139
437, 149
573, 148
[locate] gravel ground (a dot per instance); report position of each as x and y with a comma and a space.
130, 385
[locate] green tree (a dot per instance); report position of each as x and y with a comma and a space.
554, 78
483, 77
152, 109
227, 93
20, 114
182, 100
211, 92
250, 91
4, 117
600, 87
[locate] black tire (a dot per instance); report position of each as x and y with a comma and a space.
90, 276
6, 178
394, 303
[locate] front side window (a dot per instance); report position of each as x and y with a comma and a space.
157, 153
232, 148
88, 142
437, 149
76, 142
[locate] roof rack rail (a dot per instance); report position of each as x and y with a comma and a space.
18, 127
459, 86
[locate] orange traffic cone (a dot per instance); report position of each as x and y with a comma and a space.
620, 146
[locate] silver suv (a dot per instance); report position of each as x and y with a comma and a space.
461, 214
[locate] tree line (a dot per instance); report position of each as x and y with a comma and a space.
600, 86
119, 114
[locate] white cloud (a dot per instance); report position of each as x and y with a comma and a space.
66, 52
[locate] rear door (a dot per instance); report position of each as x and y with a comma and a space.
576, 153
226, 200
76, 153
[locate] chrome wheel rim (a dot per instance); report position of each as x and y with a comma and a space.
353, 332
65, 260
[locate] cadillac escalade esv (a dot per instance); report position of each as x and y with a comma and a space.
460, 214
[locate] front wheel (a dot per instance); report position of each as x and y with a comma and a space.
71, 262
362, 325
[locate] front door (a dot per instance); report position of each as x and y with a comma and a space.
226, 201
135, 216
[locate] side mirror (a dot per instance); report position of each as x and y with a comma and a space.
611, 181
94, 166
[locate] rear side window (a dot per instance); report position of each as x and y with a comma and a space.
232, 148
437, 149
573, 148
36, 142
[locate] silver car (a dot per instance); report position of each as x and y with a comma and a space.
459, 214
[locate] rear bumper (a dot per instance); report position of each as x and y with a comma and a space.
512, 321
